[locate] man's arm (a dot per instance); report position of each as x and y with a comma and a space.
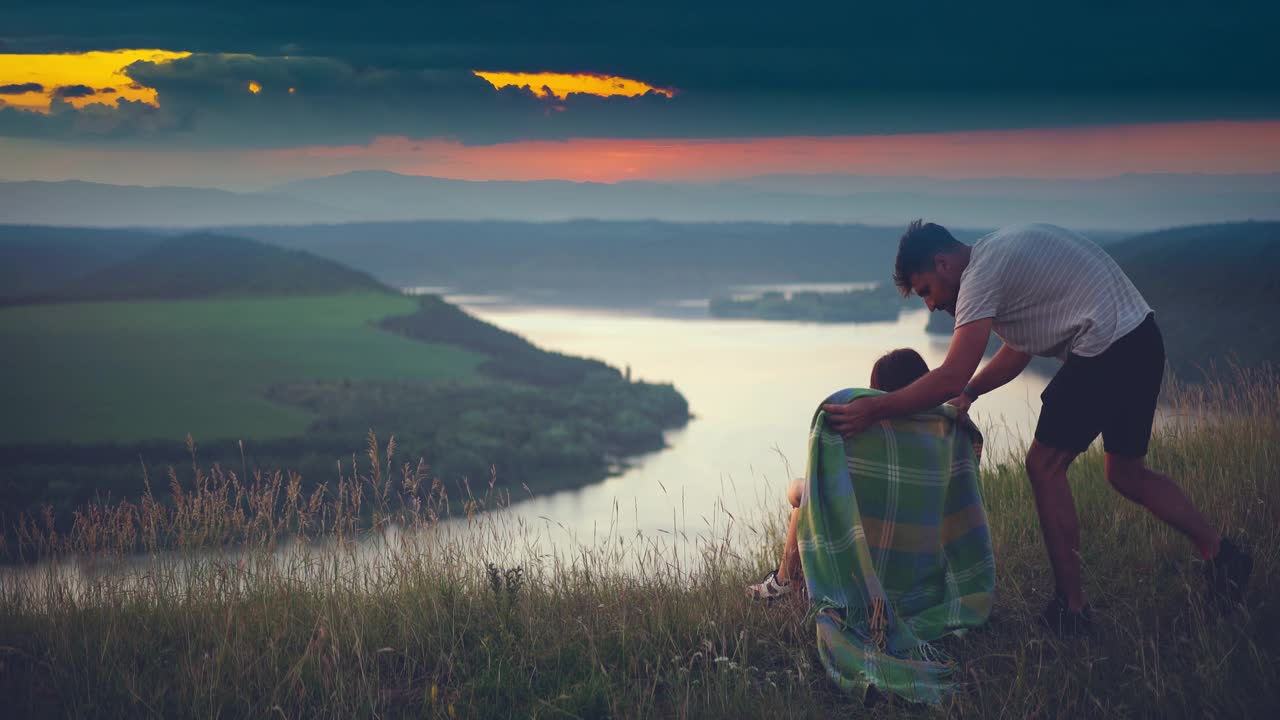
936, 387
1004, 367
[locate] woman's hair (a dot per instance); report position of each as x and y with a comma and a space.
897, 369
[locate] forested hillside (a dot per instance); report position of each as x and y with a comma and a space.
43, 260
128, 266
1214, 290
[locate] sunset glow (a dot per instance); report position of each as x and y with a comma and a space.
1209, 147
561, 85
100, 73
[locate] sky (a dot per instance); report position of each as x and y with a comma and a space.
246, 95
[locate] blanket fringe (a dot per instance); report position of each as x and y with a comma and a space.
878, 623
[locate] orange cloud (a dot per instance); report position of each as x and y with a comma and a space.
559, 85
102, 71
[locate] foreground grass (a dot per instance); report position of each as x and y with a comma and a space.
466, 619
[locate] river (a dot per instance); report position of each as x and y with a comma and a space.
752, 387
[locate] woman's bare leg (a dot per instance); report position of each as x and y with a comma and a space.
789, 567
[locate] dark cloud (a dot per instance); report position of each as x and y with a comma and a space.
73, 91
106, 91
718, 45
21, 88
742, 68
94, 122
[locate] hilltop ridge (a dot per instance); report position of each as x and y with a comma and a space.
1131, 202
138, 266
1213, 291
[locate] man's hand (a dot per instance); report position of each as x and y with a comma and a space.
944, 381
961, 403
852, 417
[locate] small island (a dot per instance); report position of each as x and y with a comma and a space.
879, 304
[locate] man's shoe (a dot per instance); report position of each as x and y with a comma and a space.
1061, 620
1227, 575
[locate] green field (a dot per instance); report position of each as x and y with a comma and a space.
129, 371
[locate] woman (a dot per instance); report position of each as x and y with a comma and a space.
893, 371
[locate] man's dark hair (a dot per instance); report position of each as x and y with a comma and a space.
898, 369
916, 249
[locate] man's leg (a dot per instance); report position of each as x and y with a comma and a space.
1047, 469
1131, 477
1136, 370
1227, 567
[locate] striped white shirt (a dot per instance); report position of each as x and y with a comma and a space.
1049, 292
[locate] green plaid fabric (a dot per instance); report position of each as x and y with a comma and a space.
895, 548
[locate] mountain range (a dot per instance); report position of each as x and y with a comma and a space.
1127, 202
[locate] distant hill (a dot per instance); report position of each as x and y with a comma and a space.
85, 204
1127, 202
36, 260
607, 263
198, 265
1214, 289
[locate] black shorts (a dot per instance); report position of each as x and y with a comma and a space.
1113, 393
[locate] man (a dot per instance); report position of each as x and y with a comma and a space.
1050, 292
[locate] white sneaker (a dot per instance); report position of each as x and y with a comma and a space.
769, 590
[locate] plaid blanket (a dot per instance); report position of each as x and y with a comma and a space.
895, 548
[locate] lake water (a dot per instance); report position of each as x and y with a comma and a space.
752, 386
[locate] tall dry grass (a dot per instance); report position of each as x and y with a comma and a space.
381, 595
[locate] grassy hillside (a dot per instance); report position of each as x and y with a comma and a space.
139, 370
479, 619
